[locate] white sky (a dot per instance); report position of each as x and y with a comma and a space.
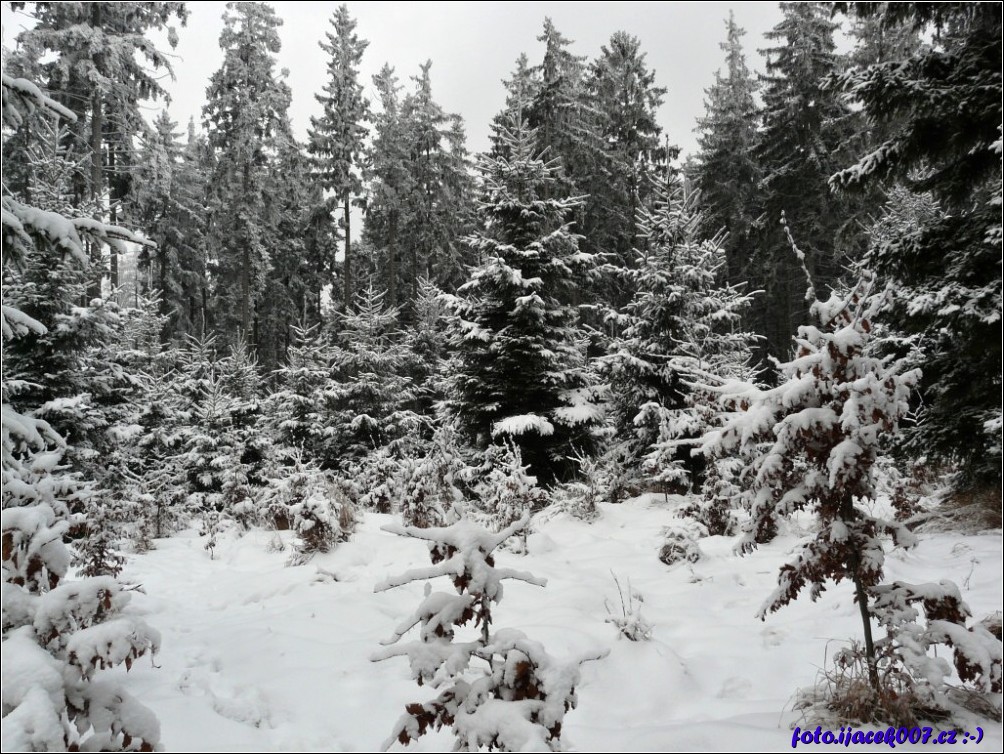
474, 46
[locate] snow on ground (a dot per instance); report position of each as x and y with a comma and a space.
260, 656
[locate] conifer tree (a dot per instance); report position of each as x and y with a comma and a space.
560, 110
517, 353
806, 127
57, 633
246, 122
369, 400
390, 183
103, 75
681, 326
726, 173
336, 138
940, 110
171, 188
625, 96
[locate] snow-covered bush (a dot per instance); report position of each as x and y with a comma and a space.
517, 701
305, 499
680, 542
580, 496
629, 622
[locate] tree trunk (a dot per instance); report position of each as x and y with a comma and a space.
94, 284
97, 263
346, 219
392, 260
867, 625
113, 257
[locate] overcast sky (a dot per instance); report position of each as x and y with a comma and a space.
473, 46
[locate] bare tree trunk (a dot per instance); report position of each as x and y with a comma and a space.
392, 261
346, 219
97, 273
97, 262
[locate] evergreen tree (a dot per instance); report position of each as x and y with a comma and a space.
560, 110
806, 129
171, 188
57, 633
245, 118
726, 173
336, 138
294, 407
517, 352
390, 183
103, 74
626, 99
940, 110
681, 326
441, 212
369, 401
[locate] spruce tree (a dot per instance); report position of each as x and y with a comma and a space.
57, 633
336, 138
940, 108
682, 326
517, 353
726, 173
624, 94
246, 123
170, 205
103, 75
805, 129
390, 183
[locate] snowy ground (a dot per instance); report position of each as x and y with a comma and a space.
260, 656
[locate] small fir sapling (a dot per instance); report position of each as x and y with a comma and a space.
433, 488
507, 492
514, 701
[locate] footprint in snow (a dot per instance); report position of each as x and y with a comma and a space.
735, 687
245, 705
773, 637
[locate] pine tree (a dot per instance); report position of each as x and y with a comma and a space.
726, 173
336, 138
940, 108
246, 123
518, 355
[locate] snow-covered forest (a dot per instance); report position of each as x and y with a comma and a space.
285, 418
